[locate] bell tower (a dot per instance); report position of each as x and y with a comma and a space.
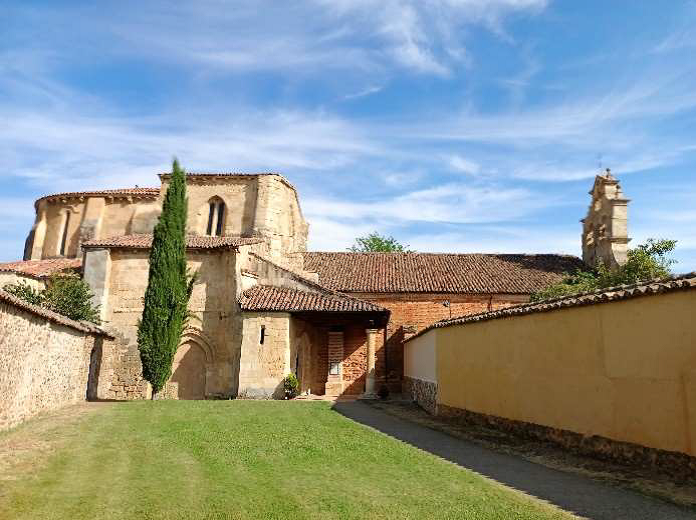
605, 228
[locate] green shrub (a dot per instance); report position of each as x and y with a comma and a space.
291, 386
645, 262
70, 296
64, 294
25, 292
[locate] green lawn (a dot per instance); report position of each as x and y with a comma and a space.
238, 459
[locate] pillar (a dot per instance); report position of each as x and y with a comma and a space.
370, 376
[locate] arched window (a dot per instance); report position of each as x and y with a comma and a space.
216, 217
64, 236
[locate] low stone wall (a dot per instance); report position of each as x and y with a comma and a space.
676, 465
424, 393
46, 361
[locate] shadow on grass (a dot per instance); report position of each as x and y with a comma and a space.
575, 493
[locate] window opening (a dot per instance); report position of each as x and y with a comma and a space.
64, 239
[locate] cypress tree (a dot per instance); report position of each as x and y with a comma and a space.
169, 287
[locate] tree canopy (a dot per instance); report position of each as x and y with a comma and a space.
647, 261
376, 243
64, 294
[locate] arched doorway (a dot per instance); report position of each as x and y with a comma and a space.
189, 371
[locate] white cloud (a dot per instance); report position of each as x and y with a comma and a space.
452, 203
427, 36
462, 164
364, 92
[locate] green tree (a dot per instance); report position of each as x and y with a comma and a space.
376, 243
65, 294
168, 289
70, 296
647, 261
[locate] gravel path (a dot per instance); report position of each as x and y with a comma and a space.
580, 495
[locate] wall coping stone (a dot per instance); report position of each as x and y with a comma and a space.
82, 326
612, 294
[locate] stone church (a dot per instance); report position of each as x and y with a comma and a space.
263, 306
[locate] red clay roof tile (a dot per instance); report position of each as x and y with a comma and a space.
123, 192
439, 272
192, 242
284, 299
42, 268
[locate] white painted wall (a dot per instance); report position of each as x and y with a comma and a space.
419, 358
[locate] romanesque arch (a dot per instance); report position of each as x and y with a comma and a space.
191, 365
216, 214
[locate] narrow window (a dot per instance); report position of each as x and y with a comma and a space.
220, 218
64, 239
211, 216
262, 336
333, 368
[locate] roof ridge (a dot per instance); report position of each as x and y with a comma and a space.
144, 190
433, 253
610, 294
144, 241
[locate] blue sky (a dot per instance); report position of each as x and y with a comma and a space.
453, 125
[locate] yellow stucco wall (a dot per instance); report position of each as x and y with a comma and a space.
624, 370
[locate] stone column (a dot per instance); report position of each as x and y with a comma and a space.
370, 382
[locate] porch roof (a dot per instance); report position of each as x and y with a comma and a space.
285, 299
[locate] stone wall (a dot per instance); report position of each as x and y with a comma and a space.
119, 277
46, 361
265, 354
411, 312
422, 392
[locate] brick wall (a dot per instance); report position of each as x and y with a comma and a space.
411, 312
44, 361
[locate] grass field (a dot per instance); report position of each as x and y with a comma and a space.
235, 459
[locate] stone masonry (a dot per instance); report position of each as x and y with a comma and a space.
46, 361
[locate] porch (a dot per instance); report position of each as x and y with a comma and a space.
330, 342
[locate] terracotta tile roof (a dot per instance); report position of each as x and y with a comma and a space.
41, 268
192, 242
439, 272
224, 174
622, 292
83, 326
271, 298
212, 175
124, 192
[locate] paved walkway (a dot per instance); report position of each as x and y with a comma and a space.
580, 495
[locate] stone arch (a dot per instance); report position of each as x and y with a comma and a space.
196, 335
191, 366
